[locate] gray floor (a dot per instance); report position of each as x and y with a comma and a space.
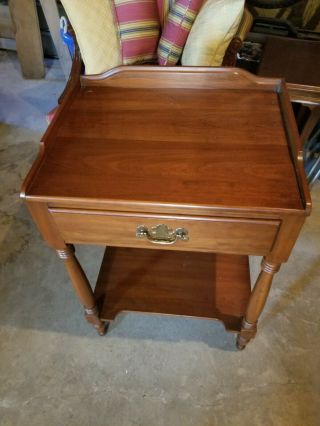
148, 370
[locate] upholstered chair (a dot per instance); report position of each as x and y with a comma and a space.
214, 39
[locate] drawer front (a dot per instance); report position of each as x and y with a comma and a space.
224, 235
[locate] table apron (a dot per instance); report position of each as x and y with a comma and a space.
217, 234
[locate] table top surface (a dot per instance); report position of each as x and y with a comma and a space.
213, 147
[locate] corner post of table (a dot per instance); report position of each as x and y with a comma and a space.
66, 253
82, 287
256, 303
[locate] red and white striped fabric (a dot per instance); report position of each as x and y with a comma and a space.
163, 7
139, 30
176, 30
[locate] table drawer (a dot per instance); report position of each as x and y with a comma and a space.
225, 235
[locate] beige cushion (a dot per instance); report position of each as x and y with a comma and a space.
212, 31
93, 23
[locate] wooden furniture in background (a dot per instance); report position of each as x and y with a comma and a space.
298, 62
180, 174
28, 39
22, 24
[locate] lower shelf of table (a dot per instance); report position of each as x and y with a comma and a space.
194, 284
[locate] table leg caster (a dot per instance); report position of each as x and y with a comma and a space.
92, 316
248, 331
241, 343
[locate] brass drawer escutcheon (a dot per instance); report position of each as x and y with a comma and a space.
161, 234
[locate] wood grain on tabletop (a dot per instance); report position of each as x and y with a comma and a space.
206, 147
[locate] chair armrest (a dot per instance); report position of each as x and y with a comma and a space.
245, 25
230, 56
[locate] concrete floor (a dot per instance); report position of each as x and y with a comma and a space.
148, 370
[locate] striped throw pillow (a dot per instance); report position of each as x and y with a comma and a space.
139, 30
176, 29
163, 7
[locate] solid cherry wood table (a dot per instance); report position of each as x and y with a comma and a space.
182, 173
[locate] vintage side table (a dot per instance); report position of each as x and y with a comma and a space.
182, 173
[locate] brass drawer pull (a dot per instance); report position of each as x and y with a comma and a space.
161, 234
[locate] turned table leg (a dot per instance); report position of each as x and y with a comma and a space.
256, 303
82, 288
